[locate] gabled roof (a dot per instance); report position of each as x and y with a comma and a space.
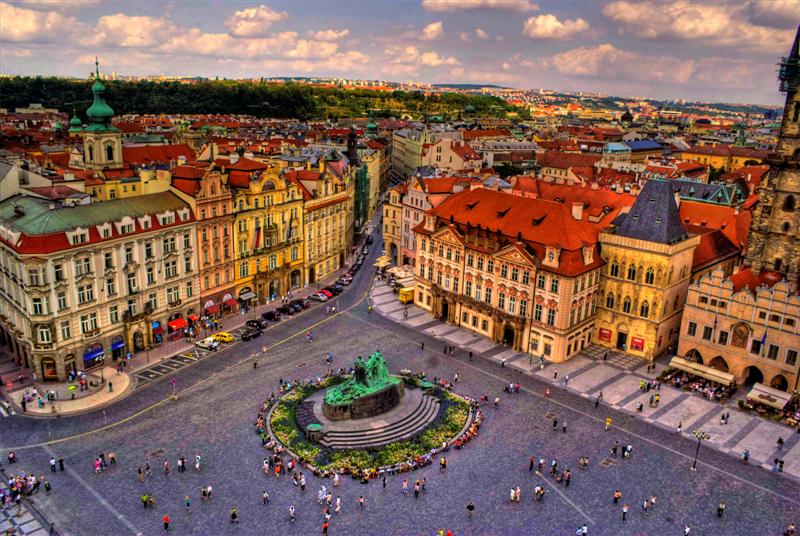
654, 216
156, 153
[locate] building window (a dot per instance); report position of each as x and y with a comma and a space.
111, 286
455, 283
168, 245
707, 333
62, 300
488, 296
128, 254
632, 272
244, 269
439, 278
480, 263
512, 305
470, 258
523, 307
551, 317
173, 294
447, 282
65, 331
755, 347
477, 292
501, 301
83, 266
170, 269
113, 314
490, 266
554, 284
626, 305
540, 281
187, 264
691, 329
148, 250
644, 310
474, 321
190, 288
547, 349
449, 255
153, 300
526, 277
441, 250
537, 312
485, 325
610, 301
504, 271
791, 357
772, 352
649, 276
515, 274
722, 338
613, 270
468, 288
38, 309
85, 294
58, 272
44, 334
88, 323
187, 241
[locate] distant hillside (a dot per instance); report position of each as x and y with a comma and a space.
470, 86
289, 100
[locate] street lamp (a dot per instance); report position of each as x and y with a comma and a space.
701, 436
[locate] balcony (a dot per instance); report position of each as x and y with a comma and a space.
43, 345
91, 334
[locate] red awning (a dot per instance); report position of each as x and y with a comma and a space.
194, 318
214, 309
158, 331
178, 323
231, 303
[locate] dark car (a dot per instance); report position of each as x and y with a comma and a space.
369, 239
285, 310
273, 316
304, 303
250, 333
257, 324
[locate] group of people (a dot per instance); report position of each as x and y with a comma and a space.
710, 390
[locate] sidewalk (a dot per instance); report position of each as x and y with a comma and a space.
618, 377
83, 401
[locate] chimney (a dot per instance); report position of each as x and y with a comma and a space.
181, 160
577, 210
234, 157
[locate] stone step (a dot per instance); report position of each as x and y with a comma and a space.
396, 431
424, 401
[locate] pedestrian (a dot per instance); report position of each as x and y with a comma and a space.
644, 506
470, 509
187, 503
455, 377
720, 509
324, 528
361, 501
166, 523
532, 463
547, 392
52, 464
234, 515
625, 508
555, 374
539, 466
265, 497
291, 513
566, 380
384, 481
608, 424
60, 463
513, 495
416, 489
422, 345
680, 427
338, 504
555, 423
567, 477
405, 487
517, 494
686, 530
780, 443
615, 448
652, 501
564, 427
617, 496
496, 401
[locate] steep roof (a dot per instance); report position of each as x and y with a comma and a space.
156, 153
654, 216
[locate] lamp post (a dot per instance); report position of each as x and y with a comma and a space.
701, 436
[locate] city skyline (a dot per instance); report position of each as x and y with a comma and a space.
615, 47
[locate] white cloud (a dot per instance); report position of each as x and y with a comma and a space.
432, 31
607, 61
775, 13
549, 27
254, 21
329, 35
521, 6
132, 31
310, 49
716, 24
30, 26
60, 5
433, 59
480, 34
411, 55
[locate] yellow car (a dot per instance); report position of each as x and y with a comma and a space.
223, 336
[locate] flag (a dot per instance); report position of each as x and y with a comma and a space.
763, 342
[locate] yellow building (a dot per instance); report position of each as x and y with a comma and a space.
724, 157
267, 230
648, 269
392, 223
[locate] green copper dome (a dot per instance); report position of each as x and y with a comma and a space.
75, 124
99, 113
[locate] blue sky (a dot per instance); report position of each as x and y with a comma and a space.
719, 51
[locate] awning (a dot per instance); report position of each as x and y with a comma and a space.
381, 264
214, 309
158, 331
94, 354
117, 345
769, 396
230, 303
178, 323
249, 295
194, 318
710, 373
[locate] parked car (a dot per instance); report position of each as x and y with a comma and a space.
257, 323
250, 333
285, 310
223, 336
344, 281
334, 289
328, 294
272, 316
207, 344
369, 239
303, 303
320, 297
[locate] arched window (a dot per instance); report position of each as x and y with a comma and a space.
644, 310
109, 153
213, 190
241, 205
789, 203
614, 270
91, 154
610, 301
632, 272
649, 276
626, 305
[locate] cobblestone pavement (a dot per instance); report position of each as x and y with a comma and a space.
618, 376
214, 414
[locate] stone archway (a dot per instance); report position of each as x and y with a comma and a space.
509, 335
779, 382
719, 363
752, 375
694, 355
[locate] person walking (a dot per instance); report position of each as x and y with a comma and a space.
720, 509
532, 463
470, 509
617, 496
265, 497
405, 487
564, 427
338, 508
555, 423
166, 523
686, 530
608, 424
361, 501
234, 515
60, 463
187, 503
292, 515
625, 509
52, 464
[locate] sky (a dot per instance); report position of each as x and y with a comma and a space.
665, 49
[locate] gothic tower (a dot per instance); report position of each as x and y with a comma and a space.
102, 142
774, 241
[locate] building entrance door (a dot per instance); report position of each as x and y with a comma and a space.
622, 341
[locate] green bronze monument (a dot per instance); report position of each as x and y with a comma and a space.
370, 391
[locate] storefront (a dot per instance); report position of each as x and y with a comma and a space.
48, 369
176, 325
246, 297
117, 347
93, 356
158, 332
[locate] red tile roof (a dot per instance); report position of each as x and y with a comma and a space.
188, 172
156, 153
747, 278
243, 164
470, 135
559, 160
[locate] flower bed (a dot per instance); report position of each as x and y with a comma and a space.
448, 429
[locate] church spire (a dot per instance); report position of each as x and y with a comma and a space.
99, 113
